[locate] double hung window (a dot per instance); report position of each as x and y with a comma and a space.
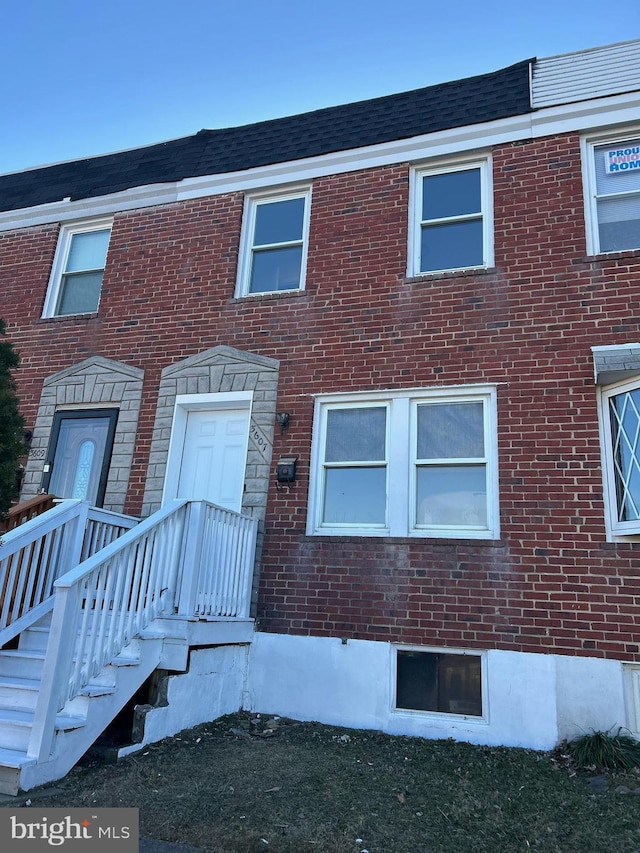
274, 243
420, 463
613, 195
452, 223
78, 267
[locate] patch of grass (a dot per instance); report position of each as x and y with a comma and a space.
244, 784
605, 750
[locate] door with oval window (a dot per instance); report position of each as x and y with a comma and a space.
79, 454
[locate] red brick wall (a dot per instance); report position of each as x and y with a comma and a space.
552, 583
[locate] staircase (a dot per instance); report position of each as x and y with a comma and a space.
78, 642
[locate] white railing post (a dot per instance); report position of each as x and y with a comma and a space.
191, 559
55, 674
249, 540
73, 538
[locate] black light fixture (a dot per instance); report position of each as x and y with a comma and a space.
283, 419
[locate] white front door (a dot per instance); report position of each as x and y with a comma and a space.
214, 455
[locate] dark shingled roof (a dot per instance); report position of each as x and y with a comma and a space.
486, 97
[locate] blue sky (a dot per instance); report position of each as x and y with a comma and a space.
82, 78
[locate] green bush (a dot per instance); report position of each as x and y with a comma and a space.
605, 750
11, 424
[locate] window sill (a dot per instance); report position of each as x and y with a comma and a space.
626, 254
439, 716
271, 294
58, 318
440, 541
446, 274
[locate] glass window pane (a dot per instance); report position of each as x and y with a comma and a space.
356, 435
80, 293
355, 496
454, 245
450, 684
619, 223
279, 221
451, 496
88, 251
79, 456
452, 194
625, 430
623, 179
276, 269
451, 431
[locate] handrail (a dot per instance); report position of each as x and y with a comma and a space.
111, 597
25, 511
190, 558
35, 553
31, 558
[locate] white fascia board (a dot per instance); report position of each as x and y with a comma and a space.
429, 146
584, 116
599, 113
88, 208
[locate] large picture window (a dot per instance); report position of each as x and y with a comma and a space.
452, 227
419, 463
76, 278
613, 195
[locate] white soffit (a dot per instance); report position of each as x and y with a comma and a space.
595, 73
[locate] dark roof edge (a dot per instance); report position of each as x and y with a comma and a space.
267, 123
377, 101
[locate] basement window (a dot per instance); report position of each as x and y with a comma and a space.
440, 682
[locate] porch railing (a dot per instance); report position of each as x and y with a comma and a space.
191, 559
37, 552
25, 511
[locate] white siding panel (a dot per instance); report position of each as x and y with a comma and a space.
586, 74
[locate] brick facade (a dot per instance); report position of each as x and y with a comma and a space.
553, 582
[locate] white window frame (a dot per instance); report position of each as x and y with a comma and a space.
441, 715
415, 206
588, 146
245, 260
67, 233
616, 529
401, 468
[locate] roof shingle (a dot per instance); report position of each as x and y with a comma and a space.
483, 98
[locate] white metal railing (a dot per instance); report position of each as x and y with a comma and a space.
34, 554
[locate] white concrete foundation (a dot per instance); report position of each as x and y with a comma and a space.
212, 687
530, 700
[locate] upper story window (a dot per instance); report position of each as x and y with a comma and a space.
415, 463
613, 195
78, 267
274, 243
452, 225
620, 427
